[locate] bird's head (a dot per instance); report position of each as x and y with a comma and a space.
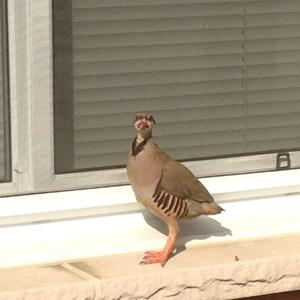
143, 122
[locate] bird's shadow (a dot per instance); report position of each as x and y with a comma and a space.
196, 229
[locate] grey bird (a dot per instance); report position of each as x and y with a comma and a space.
164, 186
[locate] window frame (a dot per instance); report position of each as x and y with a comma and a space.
31, 78
6, 94
19, 99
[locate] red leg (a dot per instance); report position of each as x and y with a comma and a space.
161, 257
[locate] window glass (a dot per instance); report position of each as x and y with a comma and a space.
5, 161
221, 78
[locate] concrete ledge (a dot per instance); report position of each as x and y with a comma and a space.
230, 270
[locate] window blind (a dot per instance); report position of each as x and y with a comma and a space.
221, 77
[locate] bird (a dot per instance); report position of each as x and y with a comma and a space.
164, 186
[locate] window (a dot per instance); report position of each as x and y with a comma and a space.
5, 160
221, 77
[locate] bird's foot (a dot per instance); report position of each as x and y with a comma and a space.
152, 257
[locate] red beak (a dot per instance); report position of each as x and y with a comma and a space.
142, 124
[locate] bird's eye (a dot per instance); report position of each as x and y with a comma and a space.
152, 119
136, 119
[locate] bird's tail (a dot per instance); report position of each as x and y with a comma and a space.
211, 208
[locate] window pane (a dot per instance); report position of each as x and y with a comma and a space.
221, 78
5, 163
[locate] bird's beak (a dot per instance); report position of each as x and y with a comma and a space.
141, 124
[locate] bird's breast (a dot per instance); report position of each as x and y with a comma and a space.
143, 175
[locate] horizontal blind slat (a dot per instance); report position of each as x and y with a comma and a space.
273, 44
126, 132
274, 108
152, 78
144, 3
284, 82
273, 95
158, 11
277, 145
272, 6
193, 88
161, 38
268, 19
262, 121
274, 70
274, 57
267, 134
116, 120
157, 51
182, 76
162, 103
273, 32
159, 64
157, 25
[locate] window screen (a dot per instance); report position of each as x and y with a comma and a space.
222, 78
5, 170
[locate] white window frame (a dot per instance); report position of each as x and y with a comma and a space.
30, 52
31, 90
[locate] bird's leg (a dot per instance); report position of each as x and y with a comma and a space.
161, 257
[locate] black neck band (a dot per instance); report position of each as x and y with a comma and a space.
136, 148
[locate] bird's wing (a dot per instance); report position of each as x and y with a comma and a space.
179, 181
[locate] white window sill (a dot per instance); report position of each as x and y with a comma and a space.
250, 249
81, 224
111, 200
51, 242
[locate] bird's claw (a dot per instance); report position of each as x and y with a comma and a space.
152, 257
